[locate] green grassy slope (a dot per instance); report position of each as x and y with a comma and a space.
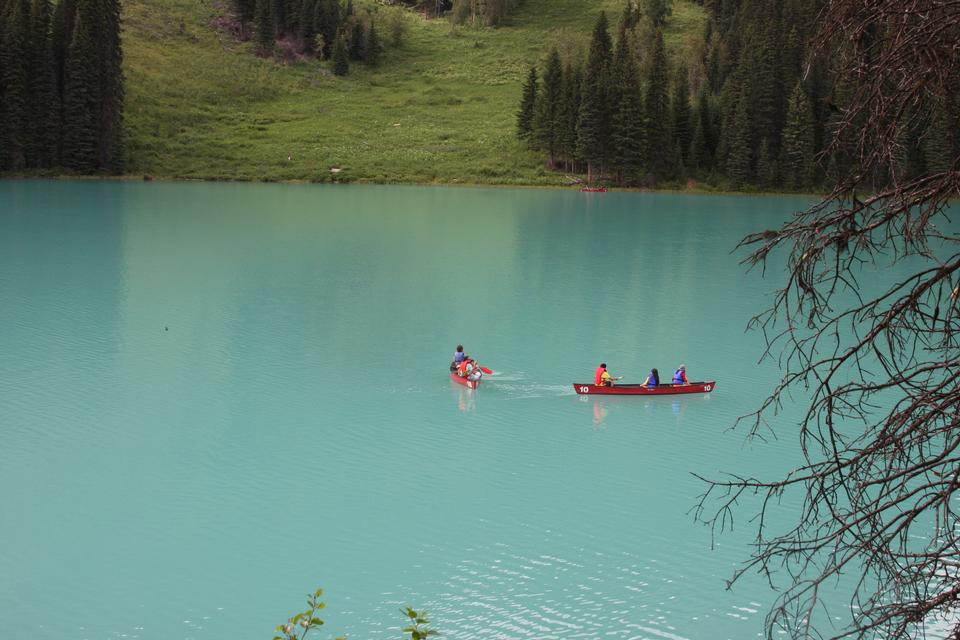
439, 109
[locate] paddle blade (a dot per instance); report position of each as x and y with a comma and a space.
486, 371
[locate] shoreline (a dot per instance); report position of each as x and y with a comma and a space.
696, 191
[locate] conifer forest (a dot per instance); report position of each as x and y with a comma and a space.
748, 106
61, 85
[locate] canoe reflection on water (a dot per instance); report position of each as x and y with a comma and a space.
606, 409
466, 398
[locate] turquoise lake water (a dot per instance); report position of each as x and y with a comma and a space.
218, 397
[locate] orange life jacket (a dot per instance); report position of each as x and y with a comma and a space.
597, 376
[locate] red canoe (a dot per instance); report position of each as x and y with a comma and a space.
643, 390
469, 384
593, 189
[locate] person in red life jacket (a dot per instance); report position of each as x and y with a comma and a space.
680, 376
462, 367
653, 379
601, 377
473, 371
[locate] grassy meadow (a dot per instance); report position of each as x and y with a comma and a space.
440, 108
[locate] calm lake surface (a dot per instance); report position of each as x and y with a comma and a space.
215, 398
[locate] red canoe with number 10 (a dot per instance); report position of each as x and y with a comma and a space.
586, 389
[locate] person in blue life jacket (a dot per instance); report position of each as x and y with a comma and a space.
680, 376
653, 379
458, 357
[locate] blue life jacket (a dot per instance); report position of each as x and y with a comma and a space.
458, 357
653, 380
678, 377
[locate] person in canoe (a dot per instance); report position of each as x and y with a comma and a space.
458, 357
602, 377
469, 369
653, 379
680, 376
473, 371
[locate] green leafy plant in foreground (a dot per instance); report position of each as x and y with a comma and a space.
418, 628
297, 627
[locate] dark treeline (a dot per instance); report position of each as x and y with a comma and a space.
747, 107
327, 29
339, 32
61, 85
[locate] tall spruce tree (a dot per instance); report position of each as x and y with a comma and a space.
339, 57
570, 114
44, 97
593, 125
266, 35
797, 164
546, 124
327, 21
680, 125
627, 133
308, 29
528, 102
246, 10
15, 70
657, 11
657, 114
938, 141
111, 91
702, 144
81, 98
358, 41
739, 161
371, 54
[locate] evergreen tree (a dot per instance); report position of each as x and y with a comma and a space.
938, 147
701, 149
629, 142
373, 48
546, 125
630, 16
45, 99
245, 10
358, 41
680, 115
81, 93
798, 142
627, 133
266, 35
657, 11
341, 61
278, 9
528, 103
327, 21
657, 123
63, 21
570, 113
766, 166
739, 162
593, 125
111, 92
14, 79
308, 31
